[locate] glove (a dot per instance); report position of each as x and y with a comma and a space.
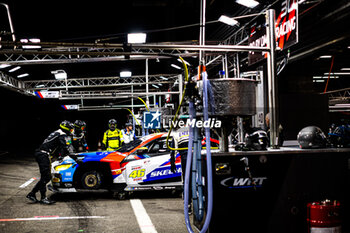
79, 161
73, 156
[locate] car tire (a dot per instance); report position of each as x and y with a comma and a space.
91, 180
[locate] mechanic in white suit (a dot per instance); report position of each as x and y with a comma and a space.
128, 133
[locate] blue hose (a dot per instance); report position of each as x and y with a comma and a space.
209, 164
188, 170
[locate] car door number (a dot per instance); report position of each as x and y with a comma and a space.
137, 173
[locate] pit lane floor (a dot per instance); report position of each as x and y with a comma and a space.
81, 212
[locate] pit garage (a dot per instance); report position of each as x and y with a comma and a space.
175, 116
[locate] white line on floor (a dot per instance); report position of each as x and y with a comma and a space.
40, 218
27, 183
142, 217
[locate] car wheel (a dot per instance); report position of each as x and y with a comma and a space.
91, 180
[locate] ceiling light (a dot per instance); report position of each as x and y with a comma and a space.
59, 74
319, 81
248, 3
155, 86
22, 75
301, 1
163, 78
325, 77
125, 74
176, 67
4, 66
228, 20
136, 38
326, 56
33, 40
14, 69
345, 69
338, 73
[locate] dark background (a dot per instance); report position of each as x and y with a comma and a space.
26, 121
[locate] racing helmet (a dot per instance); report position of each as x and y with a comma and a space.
339, 136
67, 127
112, 124
311, 137
79, 126
257, 140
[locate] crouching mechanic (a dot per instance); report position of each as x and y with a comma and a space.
57, 144
113, 137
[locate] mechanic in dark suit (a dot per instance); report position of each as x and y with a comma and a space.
57, 144
79, 140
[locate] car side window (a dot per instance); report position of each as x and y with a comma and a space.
158, 147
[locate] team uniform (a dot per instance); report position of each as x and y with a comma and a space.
128, 136
113, 137
57, 144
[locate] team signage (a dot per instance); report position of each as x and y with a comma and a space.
286, 24
48, 94
286, 30
70, 107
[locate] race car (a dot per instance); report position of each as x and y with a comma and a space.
143, 164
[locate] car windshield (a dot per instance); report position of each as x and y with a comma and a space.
128, 147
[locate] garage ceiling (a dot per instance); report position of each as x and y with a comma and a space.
323, 29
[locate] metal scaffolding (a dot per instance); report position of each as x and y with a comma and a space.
99, 82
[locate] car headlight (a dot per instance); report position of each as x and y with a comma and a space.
63, 167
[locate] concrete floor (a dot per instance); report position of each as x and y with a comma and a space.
78, 212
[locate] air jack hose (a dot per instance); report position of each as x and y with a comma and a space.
209, 163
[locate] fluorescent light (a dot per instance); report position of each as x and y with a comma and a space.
14, 69
343, 105
228, 20
33, 40
325, 77
184, 61
339, 73
326, 56
163, 78
345, 69
176, 67
136, 38
301, 1
125, 74
22, 75
155, 86
248, 3
40, 86
319, 81
59, 74
159, 84
4, 66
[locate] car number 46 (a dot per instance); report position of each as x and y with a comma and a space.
137, 173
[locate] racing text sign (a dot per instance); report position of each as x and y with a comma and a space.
286, 30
